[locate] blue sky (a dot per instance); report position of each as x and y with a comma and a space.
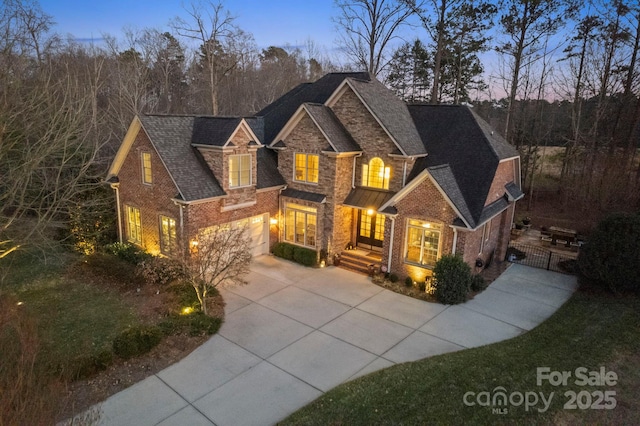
275, 22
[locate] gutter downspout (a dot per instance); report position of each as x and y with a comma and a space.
353, 172
181, 207
404, 174
393, 228
114, 186
455, 241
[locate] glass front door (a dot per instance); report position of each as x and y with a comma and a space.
370, 230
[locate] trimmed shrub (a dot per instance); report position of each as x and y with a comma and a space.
304, 256
159, 270
611, 257
478, 283
451, 280
88, 365
136, 341
408, 282
287, 251
128, 252
301, 255
111, 266
194, 324
278, 250
393, 278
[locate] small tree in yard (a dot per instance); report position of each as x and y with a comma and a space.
611, 257
221, 254
452, 280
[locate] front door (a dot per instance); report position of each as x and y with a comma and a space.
370, 230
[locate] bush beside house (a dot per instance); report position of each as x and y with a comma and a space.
611, 257
301, 255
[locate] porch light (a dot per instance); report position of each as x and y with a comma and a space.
369, 212
194, 243
273, 221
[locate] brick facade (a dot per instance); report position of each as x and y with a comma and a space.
152, 199
424, 203
338, 174
155, 199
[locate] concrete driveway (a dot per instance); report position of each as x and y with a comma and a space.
294, 333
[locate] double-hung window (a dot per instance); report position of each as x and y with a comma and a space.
147, 176
239, 170
300, 224
423, 243
168, 241
306, 168
134, 225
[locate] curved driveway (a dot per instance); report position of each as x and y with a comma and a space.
295, 332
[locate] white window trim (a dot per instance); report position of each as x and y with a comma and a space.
365, 178
305, 227
142, 167
406, 243
166, 248
306, 165
250, 171
129, 209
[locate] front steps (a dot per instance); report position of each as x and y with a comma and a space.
361, 261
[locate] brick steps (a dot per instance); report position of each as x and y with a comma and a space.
357, 262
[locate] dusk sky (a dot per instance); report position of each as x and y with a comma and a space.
275, 22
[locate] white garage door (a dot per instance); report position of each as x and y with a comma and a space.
259, 232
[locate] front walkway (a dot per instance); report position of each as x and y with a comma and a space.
294, 333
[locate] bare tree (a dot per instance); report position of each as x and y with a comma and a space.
211, 25
219, 255
368, 26
49, 137
526, 23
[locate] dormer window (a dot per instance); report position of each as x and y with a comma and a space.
239, 170
306, 168
375, 174
147, 177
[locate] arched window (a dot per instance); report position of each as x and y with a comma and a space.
375, 174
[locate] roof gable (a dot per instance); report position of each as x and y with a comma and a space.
219, 131
339, 139
388, 110
455, 136
277, 114
170, 135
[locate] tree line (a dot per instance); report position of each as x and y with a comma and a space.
568, 71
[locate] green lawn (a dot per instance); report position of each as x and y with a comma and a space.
74, 318
591, 330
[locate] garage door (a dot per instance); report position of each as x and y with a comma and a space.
258, 227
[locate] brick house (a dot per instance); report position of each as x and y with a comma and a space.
336, 163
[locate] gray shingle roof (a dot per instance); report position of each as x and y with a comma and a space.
493, 209
213, 131
171, 136
513, 191
444, 176
268, 174
392, 113
455, 136
280, 111
339, 138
